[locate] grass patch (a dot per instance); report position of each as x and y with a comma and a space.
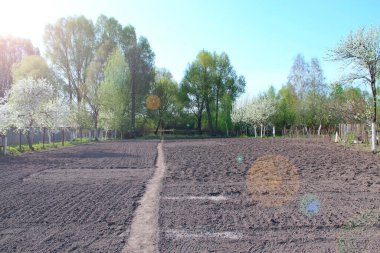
15, 150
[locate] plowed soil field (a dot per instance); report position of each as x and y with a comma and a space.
317, 197
77, 199
215, 195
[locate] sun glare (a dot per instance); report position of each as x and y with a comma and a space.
26, 19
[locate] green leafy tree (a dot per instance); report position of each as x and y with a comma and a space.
191, 93
70, 44
166, 89
226, 82
107, 36
287, 107
114, 93
140, 60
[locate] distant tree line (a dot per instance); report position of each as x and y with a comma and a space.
102, 76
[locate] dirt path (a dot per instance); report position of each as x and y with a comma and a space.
144, 234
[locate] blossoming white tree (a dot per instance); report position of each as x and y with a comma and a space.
27, 103
361, 52
239, 114
258, 112
5, 123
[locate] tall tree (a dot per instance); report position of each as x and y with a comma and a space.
287, 106
140, 59
114, 92
107, 37
361, 51
70, 44
299, 75
226, 81
166, 89
191, 93
208, 79
12, 50
206, 64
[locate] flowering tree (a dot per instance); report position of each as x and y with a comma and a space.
27, 103
239, 114
4, 117
361, 51
258, 112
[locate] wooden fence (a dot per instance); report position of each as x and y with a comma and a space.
354, 132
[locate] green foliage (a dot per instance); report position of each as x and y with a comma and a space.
208, 81
115, 92
33, 66
166, 89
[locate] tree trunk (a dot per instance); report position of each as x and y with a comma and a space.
319, 129
43, 137
209, 118
20, 139
133, 104
199, 117
261, 130
28, 137
96, 134
5, 144
217, 110
158, 126
373, 125
274, 131
49, 136
89, 136
255, 129
373, 139
199, 123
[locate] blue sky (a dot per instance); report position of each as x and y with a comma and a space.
261, 37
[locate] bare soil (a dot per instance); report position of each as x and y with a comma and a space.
315, 197
77, 199
207, 203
